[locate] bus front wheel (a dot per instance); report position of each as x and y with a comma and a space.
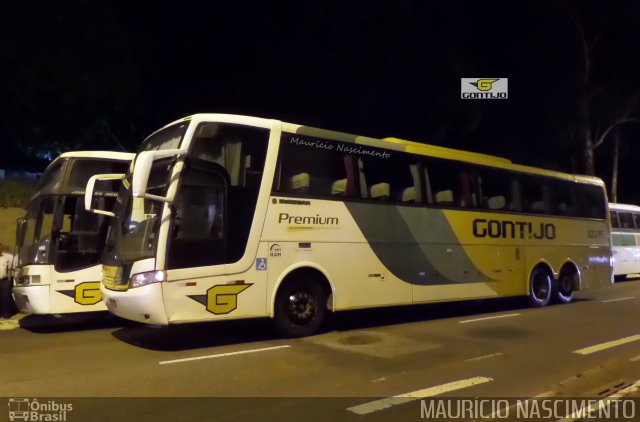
540, 287
300, 308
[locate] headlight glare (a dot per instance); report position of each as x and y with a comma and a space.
143, 279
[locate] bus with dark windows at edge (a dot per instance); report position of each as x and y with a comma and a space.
625, 239
227, 216
59, 243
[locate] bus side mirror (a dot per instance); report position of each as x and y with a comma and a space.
142, 170
20, 231
89, 192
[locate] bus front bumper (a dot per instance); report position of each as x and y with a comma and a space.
32, 299
142, 304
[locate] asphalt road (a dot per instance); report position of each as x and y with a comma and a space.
496, 348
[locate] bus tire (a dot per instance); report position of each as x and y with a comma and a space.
540, 287
300, 308
564, 288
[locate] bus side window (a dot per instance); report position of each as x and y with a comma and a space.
394, 178
499, 190
626, 220
536, 195
614, 219
451, 183
241, 150
565, 198
593, 201
308, 170
636, 220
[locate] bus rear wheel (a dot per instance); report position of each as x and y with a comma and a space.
540, 288
564, 288
300, 308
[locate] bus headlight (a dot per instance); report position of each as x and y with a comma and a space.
25, 280
142, 279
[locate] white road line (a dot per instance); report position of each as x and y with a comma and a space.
374, 406
220, 355
607, 345
616, 300
492, 355
487, 318
585, 411
635, 359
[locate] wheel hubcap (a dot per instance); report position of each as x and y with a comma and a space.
540, 288
301, 307
565, 286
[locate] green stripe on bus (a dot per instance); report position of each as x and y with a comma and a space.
624, 239
413, 244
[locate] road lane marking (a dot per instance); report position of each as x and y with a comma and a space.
635, 359
487, 318
492, 355
616, 300
374, 406
607, 345
221, 355
580, 414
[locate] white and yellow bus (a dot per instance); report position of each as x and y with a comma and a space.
229, 216
59, 243
625, 238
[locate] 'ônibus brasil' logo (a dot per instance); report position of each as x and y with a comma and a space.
484, 88
222, 298
25, 409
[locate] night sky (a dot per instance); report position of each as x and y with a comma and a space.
89, 75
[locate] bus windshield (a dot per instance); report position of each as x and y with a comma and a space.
38, 224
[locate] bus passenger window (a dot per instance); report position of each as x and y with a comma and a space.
394, 178
537, 199
308, 168
593, 201
451, 183
626, 220
565, 198
614, 219
499, 189
636, 220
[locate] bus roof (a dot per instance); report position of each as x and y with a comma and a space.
108, 155
397, 144
105, 155
623, 207
445, 152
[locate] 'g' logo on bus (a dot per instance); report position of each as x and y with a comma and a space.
484, 84
87, 293
223, 298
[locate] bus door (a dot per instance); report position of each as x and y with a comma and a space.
209, 230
